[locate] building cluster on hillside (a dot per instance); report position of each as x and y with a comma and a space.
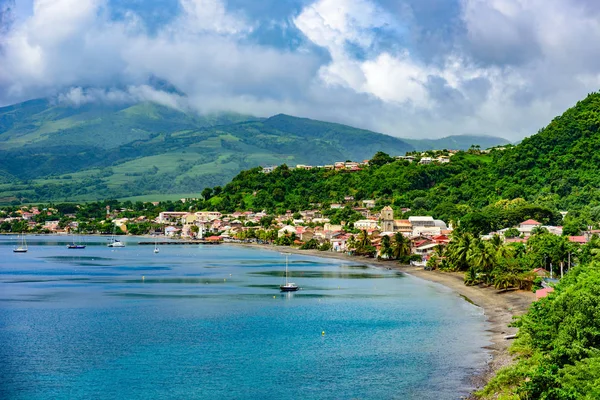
441, 157
527, 228
351, 166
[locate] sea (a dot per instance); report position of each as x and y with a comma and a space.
209, 322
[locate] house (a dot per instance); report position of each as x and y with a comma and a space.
364, 224
327, 227
208, 215
335, 206
425, 249
369, 203
578, 239
170, 216
403, 226
268, 170
426, 225
443, 159
348, 198
286, 230
363, 211
171, 231
526, 227
426, 160
541, 272
339, 243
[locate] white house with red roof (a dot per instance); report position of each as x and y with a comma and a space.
526, 227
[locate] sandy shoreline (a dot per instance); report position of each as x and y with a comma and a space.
498, 307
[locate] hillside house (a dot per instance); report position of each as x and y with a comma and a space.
369, 203
526, 227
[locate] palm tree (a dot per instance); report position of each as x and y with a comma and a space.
386, 249
458, 251
496, 241
482, 255
401, 246
363, 239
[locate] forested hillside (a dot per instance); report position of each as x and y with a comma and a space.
551, 171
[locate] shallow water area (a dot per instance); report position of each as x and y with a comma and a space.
209, 322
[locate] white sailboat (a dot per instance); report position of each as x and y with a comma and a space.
288, 286
114, 242
75, 245
22, 247
156, 246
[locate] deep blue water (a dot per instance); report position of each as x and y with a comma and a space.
208, 322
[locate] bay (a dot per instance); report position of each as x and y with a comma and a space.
208, 322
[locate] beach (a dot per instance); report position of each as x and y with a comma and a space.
499, 307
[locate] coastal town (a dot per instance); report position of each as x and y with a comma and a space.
424, 236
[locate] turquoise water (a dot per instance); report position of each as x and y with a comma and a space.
208, 322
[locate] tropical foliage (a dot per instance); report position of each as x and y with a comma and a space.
557, 344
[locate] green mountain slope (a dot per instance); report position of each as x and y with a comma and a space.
457, 142
56, 152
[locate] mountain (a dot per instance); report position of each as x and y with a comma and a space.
457, 142
53, 151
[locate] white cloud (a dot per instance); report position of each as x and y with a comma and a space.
78, 96
508, 66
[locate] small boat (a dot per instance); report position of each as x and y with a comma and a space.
114, 242
156, 246
74, 245
288, 286
22, 247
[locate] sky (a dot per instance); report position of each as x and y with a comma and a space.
408, 68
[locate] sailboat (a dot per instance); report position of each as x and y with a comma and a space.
288, 286
21, 248
114, 242
74, 245
156, 246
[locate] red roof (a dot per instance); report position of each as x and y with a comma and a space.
530, 222
541, 293
214, 238
577, 239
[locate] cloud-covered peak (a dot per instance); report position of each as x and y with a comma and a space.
404, 67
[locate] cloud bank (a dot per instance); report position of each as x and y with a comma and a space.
410, 68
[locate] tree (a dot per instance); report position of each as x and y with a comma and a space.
380, 158
207, 193
400, 246
386, 248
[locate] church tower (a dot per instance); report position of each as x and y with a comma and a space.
387, 219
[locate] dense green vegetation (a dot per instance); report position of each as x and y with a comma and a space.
549, 172
557, 345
